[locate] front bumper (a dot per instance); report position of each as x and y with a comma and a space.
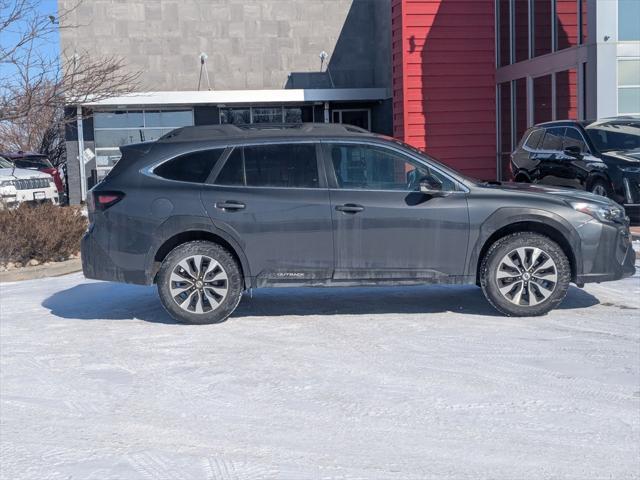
607, 253
10, 196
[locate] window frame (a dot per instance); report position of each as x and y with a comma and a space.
333, 180
546, 132
322, 177
150, 170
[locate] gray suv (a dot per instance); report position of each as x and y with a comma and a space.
208, 212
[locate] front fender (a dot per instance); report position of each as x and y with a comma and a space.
506, 219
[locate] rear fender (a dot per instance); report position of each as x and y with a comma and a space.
181, 224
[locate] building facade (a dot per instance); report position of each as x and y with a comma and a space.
462, 79
470, 76
262, 65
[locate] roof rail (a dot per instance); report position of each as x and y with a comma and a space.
207, 132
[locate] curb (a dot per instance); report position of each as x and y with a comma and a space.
42, 271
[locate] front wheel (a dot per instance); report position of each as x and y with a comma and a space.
525, 274
199, 283
599, 187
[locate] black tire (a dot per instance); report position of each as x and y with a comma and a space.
234, 284
600, 187
494, 260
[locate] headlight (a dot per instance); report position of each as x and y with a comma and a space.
603, 214
6, 183
634, 169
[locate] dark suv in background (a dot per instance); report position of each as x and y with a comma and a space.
209, 212
601, 157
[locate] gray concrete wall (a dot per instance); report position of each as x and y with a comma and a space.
251, 44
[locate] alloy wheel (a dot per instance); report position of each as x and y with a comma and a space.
198, 284
527, 276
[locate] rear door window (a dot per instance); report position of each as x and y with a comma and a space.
283, 165
553, 139
192, 167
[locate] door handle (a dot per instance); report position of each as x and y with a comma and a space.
230, 205
350, 208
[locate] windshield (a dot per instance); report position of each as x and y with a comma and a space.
615, 136
33, 162
4, 163
429, 158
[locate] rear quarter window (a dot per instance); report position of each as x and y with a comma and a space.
192, 167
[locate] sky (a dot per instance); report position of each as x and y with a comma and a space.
48, 48
52, 47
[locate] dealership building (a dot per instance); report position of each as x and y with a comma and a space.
461, 79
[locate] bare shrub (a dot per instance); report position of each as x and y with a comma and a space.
43, 232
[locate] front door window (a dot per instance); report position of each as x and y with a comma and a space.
371, 168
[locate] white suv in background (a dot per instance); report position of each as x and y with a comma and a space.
19, 185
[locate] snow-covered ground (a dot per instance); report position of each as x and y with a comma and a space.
97, 382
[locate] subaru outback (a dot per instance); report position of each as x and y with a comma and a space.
209, 212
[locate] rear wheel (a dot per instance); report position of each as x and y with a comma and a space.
525, 274
200, 282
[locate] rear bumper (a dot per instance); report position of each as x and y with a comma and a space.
609, 257
98, 265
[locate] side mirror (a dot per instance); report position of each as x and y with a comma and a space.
430, 186
573, 151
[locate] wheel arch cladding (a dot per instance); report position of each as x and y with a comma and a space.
506, 221
176, 231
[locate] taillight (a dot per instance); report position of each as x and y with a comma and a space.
104, 200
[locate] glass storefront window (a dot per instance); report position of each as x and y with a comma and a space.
629, 85
629, 100
117, 128
293, 115
542, 101
542, 14
168, 118
267, 115
629, 71
628, 20
247, 115
118, 119
235, 116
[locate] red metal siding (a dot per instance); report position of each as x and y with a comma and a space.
444, 81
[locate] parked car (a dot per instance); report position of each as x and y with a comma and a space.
36, 161
602, 157
19, 185
208, 212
